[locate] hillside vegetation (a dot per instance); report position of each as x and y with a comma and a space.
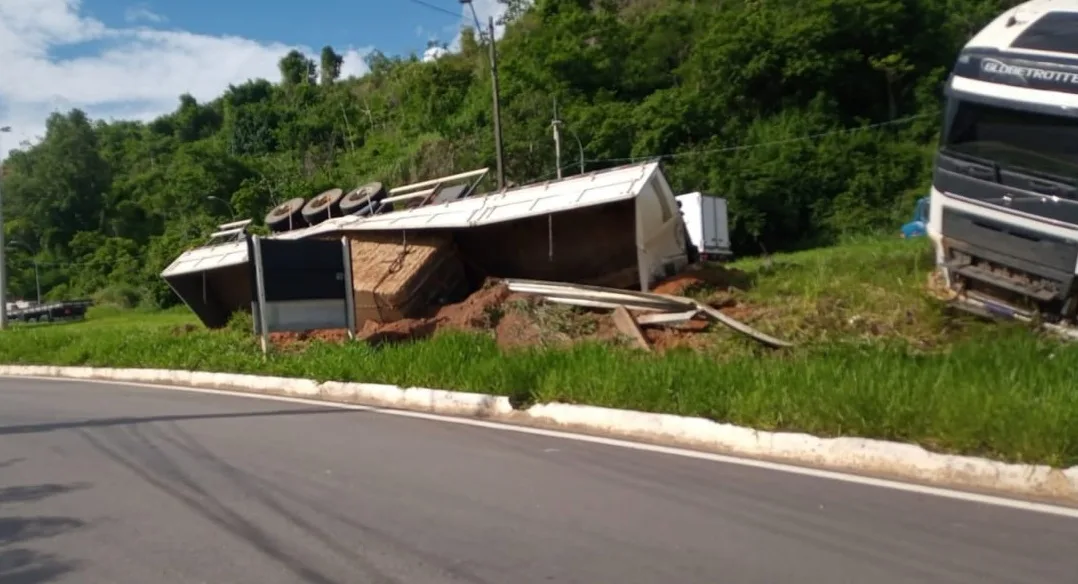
815, 118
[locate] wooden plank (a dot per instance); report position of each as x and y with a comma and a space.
626, 325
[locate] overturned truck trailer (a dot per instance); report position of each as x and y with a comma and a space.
618, 227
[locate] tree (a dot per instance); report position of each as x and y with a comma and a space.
514, 9
296, 69
331, 65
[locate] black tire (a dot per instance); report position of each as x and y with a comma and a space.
693, 253
286, 216
361, 198
323, 206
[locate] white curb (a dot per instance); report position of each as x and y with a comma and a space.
858, 455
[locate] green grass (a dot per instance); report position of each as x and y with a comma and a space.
865, 290
947, 383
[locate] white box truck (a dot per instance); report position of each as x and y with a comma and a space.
706, 224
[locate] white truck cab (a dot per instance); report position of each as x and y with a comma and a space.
1004, 199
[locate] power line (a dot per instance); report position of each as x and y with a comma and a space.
741, 147
805, 138
438, 8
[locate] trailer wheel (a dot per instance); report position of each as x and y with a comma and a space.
359, 198
286, 216
323, 206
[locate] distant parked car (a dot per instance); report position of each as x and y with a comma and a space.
48, 312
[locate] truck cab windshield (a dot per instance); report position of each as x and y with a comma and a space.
1016, 140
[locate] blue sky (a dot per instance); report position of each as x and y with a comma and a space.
131, 59
394, 26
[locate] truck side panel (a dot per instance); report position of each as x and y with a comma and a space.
692, 215
716, 231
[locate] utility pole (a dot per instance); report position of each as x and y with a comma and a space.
494, 89
556, 125
497, 106
3, 260
37, 280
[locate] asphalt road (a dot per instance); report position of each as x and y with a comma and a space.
116, 484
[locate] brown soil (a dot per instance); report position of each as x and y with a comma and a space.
514, 320
528, 321
298, 340
742, 312
329, 335
664, 339
678, 285
516, 329
703, 277
409, 329
480, 310
688, 334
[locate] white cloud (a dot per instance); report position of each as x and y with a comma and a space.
355, 63
433, 54
135, 72
142, 13
484, 10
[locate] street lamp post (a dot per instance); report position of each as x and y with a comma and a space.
37, 280
3, 271
224, 202
579, 146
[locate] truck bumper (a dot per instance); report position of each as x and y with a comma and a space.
1013, 267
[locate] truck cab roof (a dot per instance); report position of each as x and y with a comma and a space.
1037, 27
1027, 57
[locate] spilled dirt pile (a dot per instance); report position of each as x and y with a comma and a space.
715, 285
701, 278
513, 320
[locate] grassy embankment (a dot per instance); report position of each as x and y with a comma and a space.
877, 357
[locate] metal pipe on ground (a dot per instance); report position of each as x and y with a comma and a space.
599, 297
